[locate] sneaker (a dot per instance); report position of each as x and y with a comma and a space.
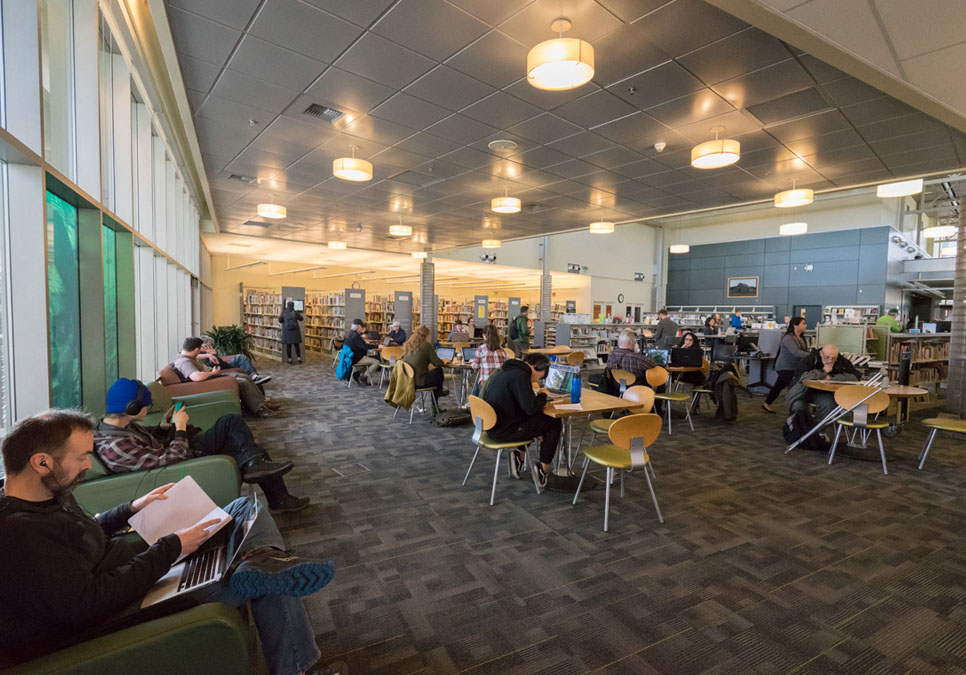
260, 468
334, 668
265, 412
539, 476
274, 572
516, 465
272, 404
262, 379
290, 504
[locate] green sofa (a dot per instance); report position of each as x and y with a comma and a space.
204, 409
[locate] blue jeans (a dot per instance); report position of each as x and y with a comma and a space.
241, 361
288, 640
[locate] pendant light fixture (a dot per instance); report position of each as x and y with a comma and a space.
679, 248
419, 254
491, 243
715, 154
903, 188
505, 204
792, 229
601, 227
338, 245
939, 232
561, 63
400, 230
272, 210
789, 199
351, 168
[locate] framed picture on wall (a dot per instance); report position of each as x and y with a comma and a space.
742, 287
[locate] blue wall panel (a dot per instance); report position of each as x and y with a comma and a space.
838, 253
872, 268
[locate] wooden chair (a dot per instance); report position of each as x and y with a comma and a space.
575, 358
509, 353
389, 355
630, 437
622, 378
940, 424
420, 391
873, 401
657, 377
484, 417
458, 346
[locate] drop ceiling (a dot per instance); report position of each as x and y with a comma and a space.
425, 85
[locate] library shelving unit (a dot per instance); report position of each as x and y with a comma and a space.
499, 310
930, 357
379, 309
690, 317
261, 309
324, 319
449, 311
850, 314
550, 331
595, 339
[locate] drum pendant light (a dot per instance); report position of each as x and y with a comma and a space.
789, 199
272, 210
400, 230
505, 204
491, 243
939, 232
905, 188
561, 63
351, 168
792, 229
679, 248
715, 154
601, 227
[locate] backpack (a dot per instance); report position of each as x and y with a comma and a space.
291, 322
451, 418
514, 330
723, 383
797, 425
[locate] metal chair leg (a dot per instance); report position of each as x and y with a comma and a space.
878, 435
831, 453
382, 376
472, 461
667, 414
581, 483
657, 508
395, 413
496, 474
622, 483
610, 475
687, 412
412, 409
925, 450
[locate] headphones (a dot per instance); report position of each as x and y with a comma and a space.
134, 405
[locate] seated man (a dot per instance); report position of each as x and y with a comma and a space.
519, 413
624, 357
821, 364
397, 336
459, 334
191, 368
360, 352
124, 445
239, 361
65, 579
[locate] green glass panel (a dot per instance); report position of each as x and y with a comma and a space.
110, 304
63, 301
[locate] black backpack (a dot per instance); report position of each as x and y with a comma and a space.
514, 330
797, 426
451, 418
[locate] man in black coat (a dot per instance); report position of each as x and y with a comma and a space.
360, 352
821, 364
519, 413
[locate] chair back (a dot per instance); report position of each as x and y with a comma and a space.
458, 346
623, 378
636, 433
575, 358
391, 354
705, 366
509, 353
863, 400
484, 416
656, 376
640, 394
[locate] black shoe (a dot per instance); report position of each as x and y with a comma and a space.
334, 668
262, 379
260, 468
516, 465
274, 572
290, 504
355, 376
539, 476
442, 393
266, 412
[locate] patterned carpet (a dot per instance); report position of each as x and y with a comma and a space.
766, 563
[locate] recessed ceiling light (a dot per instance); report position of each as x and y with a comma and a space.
491, 243
351, 168
715, 154
903, 188
679, 248
561, 63
337, 245
792, 229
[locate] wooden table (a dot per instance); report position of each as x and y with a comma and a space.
561, 349
902, 394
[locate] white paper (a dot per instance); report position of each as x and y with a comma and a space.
186, 506
569, 406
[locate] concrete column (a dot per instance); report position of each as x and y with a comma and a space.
427, 296
956, 385
546, 284
660, 257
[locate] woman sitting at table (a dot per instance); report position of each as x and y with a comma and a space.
419, 353
489, 355
696, 378
711, 326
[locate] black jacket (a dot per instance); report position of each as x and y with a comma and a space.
357, 345
814, 362
62, 576
510, 393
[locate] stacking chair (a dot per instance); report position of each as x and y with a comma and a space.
658, 376
940, 424
357, 368
420, 392
390, 354
509, 353
630, 437
639, 394
458, 346
335, 346
874, 401
575, 358
696, 392
622, 378
484, 417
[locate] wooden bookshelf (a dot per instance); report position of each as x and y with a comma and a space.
260, 311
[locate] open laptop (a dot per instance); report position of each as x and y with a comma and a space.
686, 357
659, 356
560, 379
204, 567
445, 353
469, 353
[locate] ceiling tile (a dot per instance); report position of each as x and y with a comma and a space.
287, 135
501, 110
624, 52
200, 37
468, 158
360, 12
304, 29
876, 111
531, 25
242, 88
814, 125
495, 59
657, 85
700, 105
820, 70
765, 84
195, 99
641, 168
685, 25
848, 91
545, 128
926, 139
409, 111
378, 130
614, 158
279, 65
433, 28
595, 109
427, 145
735, 55
385, 62
582, 144
541, 157
234, 13
572, 168
449, 88
460, 129
631, 10
930, 72
231, 113
493, 12
345, 91
922, 26
898, 126
846, 138
197, 74
732, 124
790, 106
397, 157
628, 129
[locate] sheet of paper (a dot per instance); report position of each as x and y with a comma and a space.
569, 406
186, 505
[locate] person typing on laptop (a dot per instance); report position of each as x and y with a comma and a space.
65, 577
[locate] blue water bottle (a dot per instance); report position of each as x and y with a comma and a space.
575, 390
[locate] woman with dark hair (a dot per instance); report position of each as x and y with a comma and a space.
489, 356
695, 378
791, 351
710, 326
291, 333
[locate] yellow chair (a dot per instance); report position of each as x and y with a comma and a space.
939, 424
484, 417
420, 391
623, 378
575, 358
630, 437
864, 402
509, 353
388, 356
639, 394
657, 377
458, 346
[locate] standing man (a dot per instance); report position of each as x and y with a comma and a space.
360, 352
519, 333
666, 330
889, 320
736, 321
190, 368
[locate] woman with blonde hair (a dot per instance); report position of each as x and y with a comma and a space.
419, 353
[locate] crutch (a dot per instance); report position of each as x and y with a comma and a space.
839, 411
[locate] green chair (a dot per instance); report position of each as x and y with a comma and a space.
204, 409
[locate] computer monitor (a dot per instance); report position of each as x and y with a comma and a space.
469, 353
928, 328
746, 343
722, 351
659, 356
299, 305
446, 353
944, 326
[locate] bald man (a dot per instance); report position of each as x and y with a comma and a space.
821, 364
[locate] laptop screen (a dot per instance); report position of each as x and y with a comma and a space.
560, 377
239, 532
658, 356
469, 353
445, 352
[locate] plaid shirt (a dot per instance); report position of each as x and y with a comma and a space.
138, 448
486, 361
631, 361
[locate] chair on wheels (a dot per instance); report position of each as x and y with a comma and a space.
864, 401
657, 377
940, 424
420, 391
389, 354
630, 437
484, 417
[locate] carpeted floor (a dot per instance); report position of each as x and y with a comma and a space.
766, 562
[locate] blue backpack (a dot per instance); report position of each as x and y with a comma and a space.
343, 368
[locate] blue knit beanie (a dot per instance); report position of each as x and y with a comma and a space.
123, 392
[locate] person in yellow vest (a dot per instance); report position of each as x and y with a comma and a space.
889, 320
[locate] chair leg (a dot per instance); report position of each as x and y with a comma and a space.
831, 453
687, 412
412, 409
382, 376
496, 474
878, 435
667, 414
581, 483
472, 462
610, 475
622, 483
925, 450
395, 413
657, 508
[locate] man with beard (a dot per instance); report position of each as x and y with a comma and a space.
64, 578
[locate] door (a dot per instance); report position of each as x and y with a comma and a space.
812, 314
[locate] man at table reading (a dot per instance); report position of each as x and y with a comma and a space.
519, 413
821, 364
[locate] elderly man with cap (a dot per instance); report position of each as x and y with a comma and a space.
889, 321
125, 445
397, 335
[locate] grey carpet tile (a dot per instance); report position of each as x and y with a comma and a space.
766, 562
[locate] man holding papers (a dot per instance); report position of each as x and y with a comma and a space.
65, 577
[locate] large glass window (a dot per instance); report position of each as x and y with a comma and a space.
109, 242
6, 406
57, 74
63, 302
105, 51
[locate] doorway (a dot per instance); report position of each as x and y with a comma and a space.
812, 314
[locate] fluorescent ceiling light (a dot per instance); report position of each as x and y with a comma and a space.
792, 229
241, 267
903, 188
301, 269
679, 248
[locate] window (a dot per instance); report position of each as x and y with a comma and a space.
109, 243
105, 51
6, 405
57, 75
63, 302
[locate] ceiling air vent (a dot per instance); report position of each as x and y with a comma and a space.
321, 112
533, 207
255, 223
251, 180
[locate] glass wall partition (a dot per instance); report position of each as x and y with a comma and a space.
63, 303
109, 243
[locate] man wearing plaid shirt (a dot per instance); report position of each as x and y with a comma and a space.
625, 358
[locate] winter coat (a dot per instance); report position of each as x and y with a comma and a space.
402, 390
510, 392
291, 333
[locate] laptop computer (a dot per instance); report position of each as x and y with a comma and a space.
659, 356
560, 379
686, 357
204, 567
445, 353
469, 353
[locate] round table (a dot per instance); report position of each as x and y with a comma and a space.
561, 349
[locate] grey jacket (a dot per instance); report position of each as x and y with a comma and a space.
798, 392
291, 333
665, 329
791, 351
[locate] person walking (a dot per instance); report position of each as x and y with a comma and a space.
291, 332
519, 333
791, 351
